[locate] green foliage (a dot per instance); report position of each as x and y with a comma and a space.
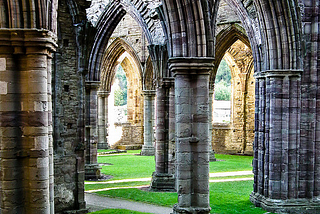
223, 72
119, 98
222, 91
120, 95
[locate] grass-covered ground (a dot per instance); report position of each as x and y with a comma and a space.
128, 165
225, 197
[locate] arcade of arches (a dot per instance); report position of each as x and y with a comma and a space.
58, 62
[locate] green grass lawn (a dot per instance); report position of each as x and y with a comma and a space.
229, 163
117, 211
225, 197
123, 184
128, 165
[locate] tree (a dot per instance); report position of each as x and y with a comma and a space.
222, 89
120, 95
223, 72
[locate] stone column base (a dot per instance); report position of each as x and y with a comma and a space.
212, 157
103, 145
163, 182
82, 211
292, 206
190, 210
147, 151
92, 171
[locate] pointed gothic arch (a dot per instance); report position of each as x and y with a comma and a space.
224, 40
148, 78
111, 60
106, 24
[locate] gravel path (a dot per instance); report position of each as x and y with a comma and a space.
96, 202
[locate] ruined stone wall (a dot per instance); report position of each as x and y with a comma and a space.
221, 137
129, 30
69, 158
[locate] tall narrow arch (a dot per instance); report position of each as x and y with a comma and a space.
273, 31
148, 76
106, 24
224, 40
111, 60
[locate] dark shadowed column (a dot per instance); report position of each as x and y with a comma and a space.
192, 133
162, 180
171, 128
148, 147
92, 169
102, 117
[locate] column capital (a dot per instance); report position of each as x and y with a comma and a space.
168, 82
103, 94
191, 65
150, 93
279, 73
28, 41
92, 84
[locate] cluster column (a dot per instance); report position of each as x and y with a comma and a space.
148, 147
162, 179
92, 169
26, 153
103, 119
192, 133
277, 162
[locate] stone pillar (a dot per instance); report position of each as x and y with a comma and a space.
161, 179
278, 151
26, 121
50, 135
92, 169
172, 128
148, 147
102, 119
211, 154
192, 133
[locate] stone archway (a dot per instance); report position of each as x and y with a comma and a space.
237, 136
120, 53
284, 39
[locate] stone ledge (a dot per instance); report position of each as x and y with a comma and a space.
163, 182
190, 210
147, 151
292, 206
